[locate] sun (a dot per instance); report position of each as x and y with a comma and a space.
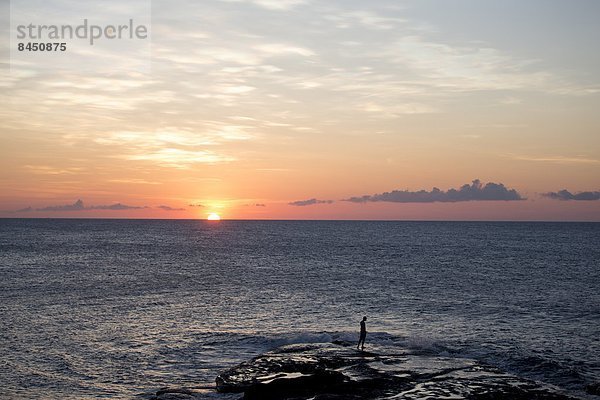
213, 217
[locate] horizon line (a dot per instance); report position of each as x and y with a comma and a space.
301, 220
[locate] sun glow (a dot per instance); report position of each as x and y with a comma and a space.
213, 217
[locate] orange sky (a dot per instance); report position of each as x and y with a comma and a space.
245, 107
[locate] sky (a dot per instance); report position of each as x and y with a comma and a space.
306, 109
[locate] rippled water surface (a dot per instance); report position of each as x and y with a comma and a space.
120, 308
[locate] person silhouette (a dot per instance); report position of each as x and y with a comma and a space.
363, 334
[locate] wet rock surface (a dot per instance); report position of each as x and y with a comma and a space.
330, 371
190, 393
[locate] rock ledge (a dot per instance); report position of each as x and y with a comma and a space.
328, 371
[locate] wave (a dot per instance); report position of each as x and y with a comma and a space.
270, 342
566, 373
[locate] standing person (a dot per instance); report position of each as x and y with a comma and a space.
363, 334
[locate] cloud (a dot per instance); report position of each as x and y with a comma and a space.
473, 192
393, 110
47, 170
367, 19
566, 195
276, 5
196, 205
556, 159
135, 181
116, 206
169, 208
309, 202
177, 147
178, 158
79, 206
278, 49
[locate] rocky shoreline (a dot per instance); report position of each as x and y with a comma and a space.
336, 371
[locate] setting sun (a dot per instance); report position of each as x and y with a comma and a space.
213, 217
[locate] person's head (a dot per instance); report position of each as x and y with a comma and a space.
364, 318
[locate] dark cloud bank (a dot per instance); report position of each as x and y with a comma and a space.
169, 208
309, 202
117, 206
476, 191
79, 206
566, 195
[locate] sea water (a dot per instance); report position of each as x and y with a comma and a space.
121, 308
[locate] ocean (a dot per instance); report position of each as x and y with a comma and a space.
121, 308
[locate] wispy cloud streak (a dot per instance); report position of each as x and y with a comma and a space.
309, 202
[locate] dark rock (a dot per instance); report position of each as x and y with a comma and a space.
174, 393
593, 388
336, 371
295, 384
